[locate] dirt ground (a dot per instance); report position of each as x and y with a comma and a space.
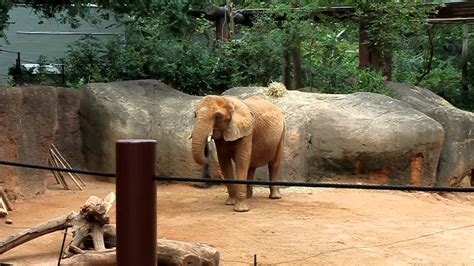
305, 227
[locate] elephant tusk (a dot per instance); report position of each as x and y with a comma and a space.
209, 138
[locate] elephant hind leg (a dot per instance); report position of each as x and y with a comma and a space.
250, 175
274, 170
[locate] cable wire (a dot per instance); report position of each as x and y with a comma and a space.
314, 184
58, 169
251, 182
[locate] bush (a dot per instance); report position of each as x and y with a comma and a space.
44, 73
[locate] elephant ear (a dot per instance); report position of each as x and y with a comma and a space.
242, 120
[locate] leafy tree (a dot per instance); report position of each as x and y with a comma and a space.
163, 42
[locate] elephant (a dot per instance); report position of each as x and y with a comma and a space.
248, 132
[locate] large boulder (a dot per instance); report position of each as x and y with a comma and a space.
364, 136
143, 109
329, 137
31, 119
457, 155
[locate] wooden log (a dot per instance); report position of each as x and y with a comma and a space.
5, 199
110, 238
79, 235
170, 252
90, 226
3, 208
75, 250
56, 157
98, 237
102, 258
97, 210
67, 164
47, 227
61, 176
59, 179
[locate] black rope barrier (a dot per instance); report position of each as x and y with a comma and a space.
313, 184
250, 182
58, 169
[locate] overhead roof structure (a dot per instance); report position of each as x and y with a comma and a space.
449, 12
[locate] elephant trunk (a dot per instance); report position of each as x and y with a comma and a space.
201, 131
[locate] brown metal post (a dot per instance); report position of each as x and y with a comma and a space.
136, 202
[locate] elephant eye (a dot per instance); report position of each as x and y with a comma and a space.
195, 114
218, 117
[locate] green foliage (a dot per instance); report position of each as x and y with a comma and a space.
186, 62
388, 23
332, 57
163, 42
85, 63
35, 75
407, 65
444, 77
5, 6
369, 80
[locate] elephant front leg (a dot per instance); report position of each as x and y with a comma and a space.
228, 172
242, 162
225, 162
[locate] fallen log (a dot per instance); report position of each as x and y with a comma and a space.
170, 252
47, 227
97, 210
92, 231
93, 214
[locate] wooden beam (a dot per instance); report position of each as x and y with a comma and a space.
218, 12
449, 13
466, 20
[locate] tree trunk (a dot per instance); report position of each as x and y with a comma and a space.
287, 69
373, 56
364, 52
429, 61
464, 79
387, 65
298, 67
230, 18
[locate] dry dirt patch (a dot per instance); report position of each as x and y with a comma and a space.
306, 227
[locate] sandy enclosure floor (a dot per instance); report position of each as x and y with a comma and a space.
305, 227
